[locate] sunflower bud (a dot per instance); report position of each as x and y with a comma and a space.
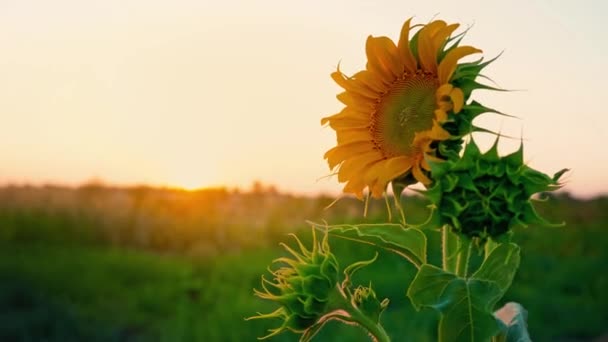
365, 299
482, 195
303, 286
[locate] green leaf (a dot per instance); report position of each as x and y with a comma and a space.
465, 304
514, 316
500, 266
409, 243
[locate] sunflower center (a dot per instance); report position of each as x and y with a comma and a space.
407, 108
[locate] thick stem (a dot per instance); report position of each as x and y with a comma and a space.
399, 207
375, 329
449, 246
464, 254
488, 248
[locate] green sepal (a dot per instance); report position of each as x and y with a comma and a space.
354, 267
468, 85
473, 69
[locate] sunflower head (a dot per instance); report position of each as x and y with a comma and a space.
302, 286
407, 107
484, 195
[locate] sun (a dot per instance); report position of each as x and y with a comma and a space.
188, 179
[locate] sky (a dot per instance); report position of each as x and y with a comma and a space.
222, 93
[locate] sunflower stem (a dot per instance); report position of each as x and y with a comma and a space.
375, 330
488, 248
464, 254
388, 209
397, 199
449, 247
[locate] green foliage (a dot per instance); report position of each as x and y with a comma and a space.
409, 243
466, 304
73, 283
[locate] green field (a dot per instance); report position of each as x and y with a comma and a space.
106, 264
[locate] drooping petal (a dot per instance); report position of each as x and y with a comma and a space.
340, 153
404, 48
371, 175
457, 97
419, 175
396, 167
355, 186
356, 167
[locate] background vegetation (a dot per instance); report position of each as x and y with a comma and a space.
99, 263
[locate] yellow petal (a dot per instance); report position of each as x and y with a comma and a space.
378, 189
352, 135
382, 57
356, 167
346, 113
440, 115
449, 62
457, 97
427, 52
355, 102
355, 186
404, 48
419, 175
442, 35
395, 167
443, 90
348, 123
370, 80
445, 106
435, 26
372, 174
350, 84
425, 164
340, 153
438, 133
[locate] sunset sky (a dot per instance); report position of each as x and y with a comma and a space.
209, 93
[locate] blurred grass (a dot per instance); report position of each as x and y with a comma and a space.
142, 264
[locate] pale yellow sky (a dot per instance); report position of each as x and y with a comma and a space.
205, 93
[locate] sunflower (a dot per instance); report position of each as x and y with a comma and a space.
399, 109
